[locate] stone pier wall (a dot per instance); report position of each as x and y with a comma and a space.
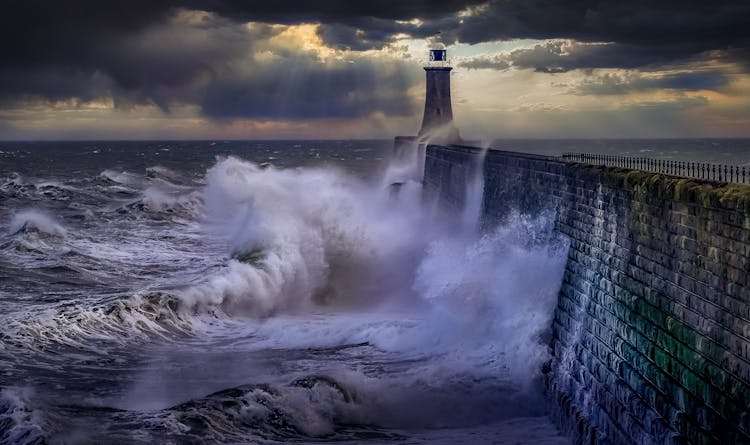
651, 335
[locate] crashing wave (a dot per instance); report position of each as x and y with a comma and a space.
167, 177
156, 200
145, 317
35, 221
320, 232
19, 423
310, 407
122, 177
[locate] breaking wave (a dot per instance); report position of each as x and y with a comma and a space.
259, 259
19, 423
34, 220
301, 241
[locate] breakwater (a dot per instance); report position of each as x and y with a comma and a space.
651, 335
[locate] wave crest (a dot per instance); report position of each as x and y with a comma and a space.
323, 235
36, 221
19, 423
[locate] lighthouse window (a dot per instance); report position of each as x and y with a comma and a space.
437, 55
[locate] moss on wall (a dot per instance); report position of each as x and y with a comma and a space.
709, 194
652, 330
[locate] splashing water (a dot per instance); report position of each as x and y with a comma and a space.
267, 304
28, 220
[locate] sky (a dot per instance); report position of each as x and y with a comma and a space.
301, 69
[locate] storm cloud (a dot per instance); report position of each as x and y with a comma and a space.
303, 87
559, 56
641, 32
614, 84
204, 52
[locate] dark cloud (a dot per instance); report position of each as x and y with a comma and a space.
370, 33
51, 85
331, 11
130, 59
148, 51
640, 33
679, 28
78, 32
613, 84
557, 56
302, 87
499, 63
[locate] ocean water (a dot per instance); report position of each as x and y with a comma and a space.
262, 292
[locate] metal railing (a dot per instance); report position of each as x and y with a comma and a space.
697, 170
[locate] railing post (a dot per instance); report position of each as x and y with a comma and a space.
689, 169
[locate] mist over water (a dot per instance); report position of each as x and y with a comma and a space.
243, 300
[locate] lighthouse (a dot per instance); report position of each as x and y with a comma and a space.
437, 123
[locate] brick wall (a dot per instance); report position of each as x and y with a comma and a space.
651, 335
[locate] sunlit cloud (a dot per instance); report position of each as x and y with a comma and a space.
211, 69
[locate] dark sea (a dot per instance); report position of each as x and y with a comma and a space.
272, 292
